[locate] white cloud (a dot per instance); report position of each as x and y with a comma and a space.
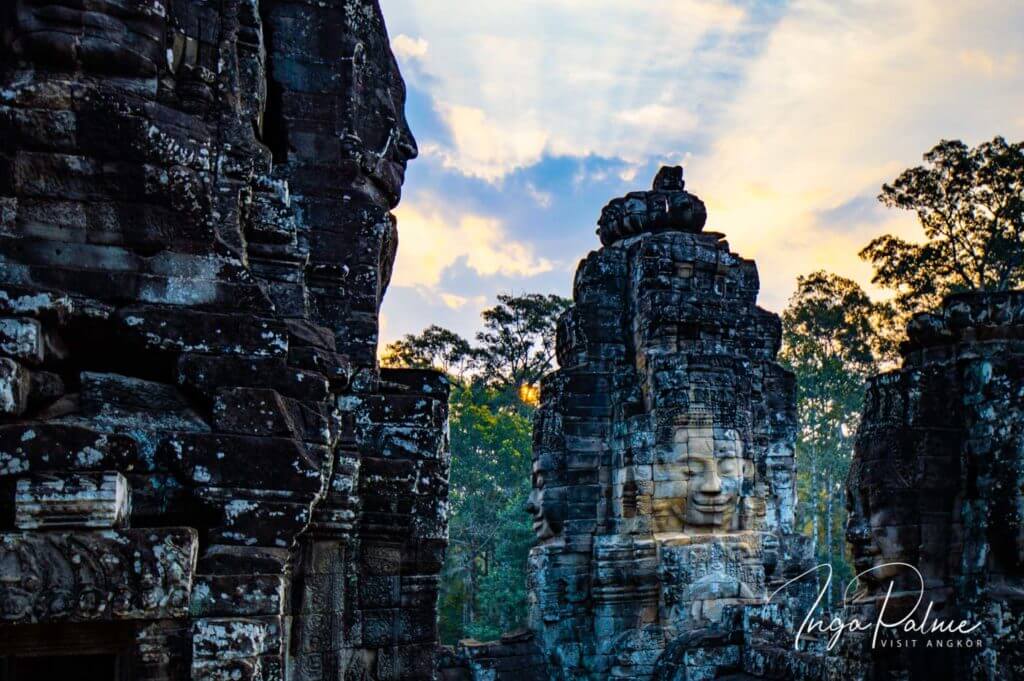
667, 120
405, 47
514, 80
456, 302
482, 148
990, 64
432, 239
843, 98
840, 97
541, 198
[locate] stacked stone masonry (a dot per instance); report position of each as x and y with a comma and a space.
203, 472
937, 482
663, 465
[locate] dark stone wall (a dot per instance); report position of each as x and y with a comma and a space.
936, 482
202, 469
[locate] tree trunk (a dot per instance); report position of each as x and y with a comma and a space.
814, 516
828, 531
469, 605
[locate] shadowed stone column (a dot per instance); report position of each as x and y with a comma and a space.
203, 473
936, 483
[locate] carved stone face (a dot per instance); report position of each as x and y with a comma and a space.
876, 536
123, 37
858, 528
392, 146
781, 477
704, 483
353, 133
546, 504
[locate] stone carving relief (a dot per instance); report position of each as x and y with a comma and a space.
195, 240
114, 574
663, 471
546, 502
698, 490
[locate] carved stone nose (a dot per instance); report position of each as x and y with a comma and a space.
711, 483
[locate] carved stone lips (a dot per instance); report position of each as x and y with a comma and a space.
713, 507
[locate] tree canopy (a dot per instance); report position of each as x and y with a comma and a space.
517, 345
434, 347
970, 203
831, 343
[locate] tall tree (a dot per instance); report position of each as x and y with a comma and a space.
434, 347
517, 344
483, 585
970, 202
830, 343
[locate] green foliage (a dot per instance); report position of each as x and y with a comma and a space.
483, 582
435, 347
830, 342
517, 344
970, 203
484, 579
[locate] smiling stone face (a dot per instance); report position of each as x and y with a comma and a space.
700, 488
348, 133
884, 503
546, 502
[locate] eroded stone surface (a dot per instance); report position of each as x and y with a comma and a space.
936, 483
108, 574
73, 499
195, 239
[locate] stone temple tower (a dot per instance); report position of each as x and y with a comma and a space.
663, 472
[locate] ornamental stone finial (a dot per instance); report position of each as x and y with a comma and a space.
667, 207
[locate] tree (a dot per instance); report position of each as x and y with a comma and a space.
483, 590
830, 342
434, 347
517, 344
970, 203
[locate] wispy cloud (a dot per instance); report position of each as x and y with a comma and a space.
842, 98
432, 238
405, 47
517, 80
788, 117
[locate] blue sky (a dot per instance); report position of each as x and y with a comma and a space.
788, 116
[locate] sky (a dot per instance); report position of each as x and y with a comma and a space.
787, 116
